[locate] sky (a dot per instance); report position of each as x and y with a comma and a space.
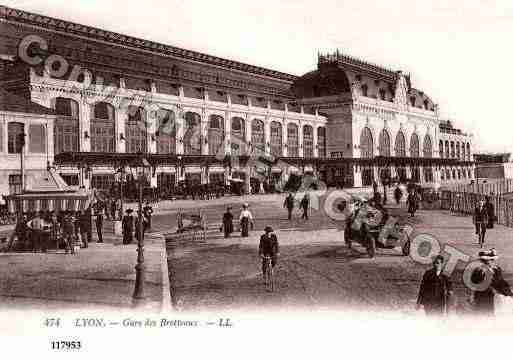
460, 53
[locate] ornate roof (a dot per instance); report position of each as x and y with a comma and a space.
357, 65
133, 42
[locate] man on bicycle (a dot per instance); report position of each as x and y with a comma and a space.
268, 247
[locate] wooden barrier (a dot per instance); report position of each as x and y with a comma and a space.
489, 188
466, 202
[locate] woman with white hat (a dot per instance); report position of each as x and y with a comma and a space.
484, 301
246, 218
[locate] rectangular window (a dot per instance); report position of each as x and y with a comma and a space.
14, 184
15, 137
37, 138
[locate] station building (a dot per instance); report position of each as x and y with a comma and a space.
203, 119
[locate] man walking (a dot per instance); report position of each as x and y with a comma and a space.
480, 221
398, 194
490, 210
99, 224
412, 202
289, 204
305, 203
435, 289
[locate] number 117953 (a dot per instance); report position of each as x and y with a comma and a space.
66, 345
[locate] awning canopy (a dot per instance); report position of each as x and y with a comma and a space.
51, 201
47, 191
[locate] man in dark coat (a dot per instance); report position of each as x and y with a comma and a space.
413, 202
435, 289
398, 194
99, 224
490, 210
483, 301
305, 203
127, 225
289, 204
480, 221
228, 222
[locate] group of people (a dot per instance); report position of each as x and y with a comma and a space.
130, 224
246, 221
44, 229
436, 293
304, 204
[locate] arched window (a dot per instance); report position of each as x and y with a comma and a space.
321, 141
276, 139
414, 146
192, 134
366, 144
308, 141
66, 130
447, 153
452, 149
136, 130
400, 145
468, 152
215, 135
103, 135
15, 131
238, 136
441, 149
463, 153
166, 131
384, 143
257, 135
292, 140
457, 150
428, 147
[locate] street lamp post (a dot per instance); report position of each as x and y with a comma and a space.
141, 168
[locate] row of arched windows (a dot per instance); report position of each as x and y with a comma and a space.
451, 149
103, 134
367, 145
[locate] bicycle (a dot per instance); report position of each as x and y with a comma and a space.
269, 273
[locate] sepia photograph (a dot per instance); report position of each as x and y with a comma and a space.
277, 172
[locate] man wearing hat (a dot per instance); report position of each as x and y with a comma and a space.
480, 221
127, 225
435, 289
483, 301
268, 247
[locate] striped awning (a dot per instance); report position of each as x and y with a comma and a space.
34, 202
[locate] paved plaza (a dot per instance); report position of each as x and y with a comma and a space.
316, 270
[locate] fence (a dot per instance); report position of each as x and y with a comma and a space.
466, 202
489, 188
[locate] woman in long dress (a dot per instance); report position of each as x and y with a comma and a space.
246, 219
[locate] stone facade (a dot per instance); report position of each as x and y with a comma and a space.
347, 120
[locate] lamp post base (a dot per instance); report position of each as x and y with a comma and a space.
139, 282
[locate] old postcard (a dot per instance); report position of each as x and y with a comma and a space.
298, 178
